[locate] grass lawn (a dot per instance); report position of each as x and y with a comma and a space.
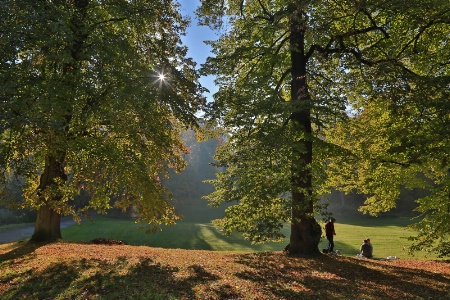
183, 235
388, 236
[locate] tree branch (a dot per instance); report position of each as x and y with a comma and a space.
109, 20
342, 48
283, 76
268, 16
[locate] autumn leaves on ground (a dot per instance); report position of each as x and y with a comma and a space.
90, 271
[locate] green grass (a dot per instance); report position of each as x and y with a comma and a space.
388, 236
183, 235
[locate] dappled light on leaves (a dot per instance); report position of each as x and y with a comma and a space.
323, 95
96, 98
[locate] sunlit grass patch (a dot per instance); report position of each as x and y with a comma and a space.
388, 236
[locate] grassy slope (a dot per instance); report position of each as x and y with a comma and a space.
184, 235
387, 235
86, 271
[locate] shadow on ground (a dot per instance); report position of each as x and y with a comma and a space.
116, 272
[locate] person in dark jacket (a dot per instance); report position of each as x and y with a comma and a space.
371, 246
330, 233
365, 249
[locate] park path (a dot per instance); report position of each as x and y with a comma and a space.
17, 234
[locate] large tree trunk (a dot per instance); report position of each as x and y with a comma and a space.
305, 232
48, 225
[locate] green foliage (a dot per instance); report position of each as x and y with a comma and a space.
257, 180
398, 135
376, 89
83, 107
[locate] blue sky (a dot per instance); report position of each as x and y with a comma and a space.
194, 41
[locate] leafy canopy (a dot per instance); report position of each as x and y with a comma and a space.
104, 87
378, 77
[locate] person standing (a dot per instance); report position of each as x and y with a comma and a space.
330, 233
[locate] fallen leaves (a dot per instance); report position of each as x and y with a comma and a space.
94, 271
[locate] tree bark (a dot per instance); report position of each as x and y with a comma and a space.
48, 225
305, 232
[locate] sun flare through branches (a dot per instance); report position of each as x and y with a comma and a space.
161, 79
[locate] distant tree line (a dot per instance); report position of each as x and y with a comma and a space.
341, 204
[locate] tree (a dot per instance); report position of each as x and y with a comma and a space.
93, 97
288, 71
399, 140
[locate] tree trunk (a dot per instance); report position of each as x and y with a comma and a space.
48, 225
305, 232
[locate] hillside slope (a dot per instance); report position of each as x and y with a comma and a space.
88, 271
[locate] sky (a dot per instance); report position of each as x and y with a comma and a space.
194, 40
